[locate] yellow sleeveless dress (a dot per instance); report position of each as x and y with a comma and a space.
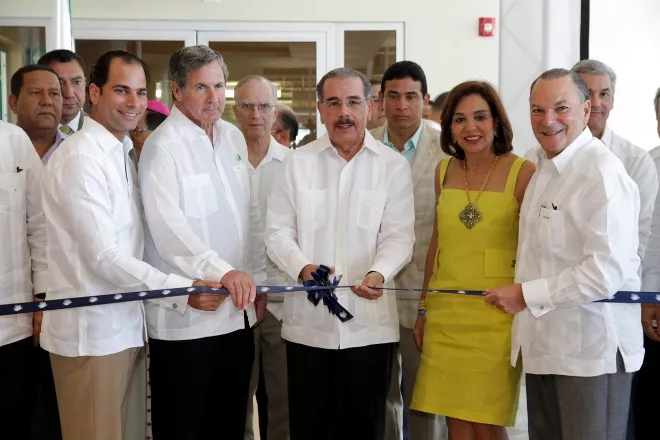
465, 370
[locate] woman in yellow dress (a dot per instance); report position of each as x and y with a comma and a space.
465, 372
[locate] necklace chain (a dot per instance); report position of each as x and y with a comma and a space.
483, 185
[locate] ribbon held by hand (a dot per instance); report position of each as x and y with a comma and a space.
322, 278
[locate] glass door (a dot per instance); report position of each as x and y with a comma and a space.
294, 61
153, 47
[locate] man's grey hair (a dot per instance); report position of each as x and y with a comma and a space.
191, 58
562, 73
596, 67
656, 100
343, 72
247, 79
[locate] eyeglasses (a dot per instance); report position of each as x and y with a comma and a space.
138, 131
248, 107
351, 104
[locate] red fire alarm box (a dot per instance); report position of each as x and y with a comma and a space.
486, 26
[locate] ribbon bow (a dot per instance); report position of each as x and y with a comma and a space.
330, 300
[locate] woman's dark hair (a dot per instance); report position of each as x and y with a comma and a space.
154, 119
503, 132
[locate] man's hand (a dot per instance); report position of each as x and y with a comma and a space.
650, 313
241, 287
418, 332
260, 303
306, 272
208, 302
509, 298
366, 289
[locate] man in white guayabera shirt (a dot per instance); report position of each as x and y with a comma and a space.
196, 192
344, 200
23, 273
601, 81
95, 246
578, 244
646, 405
255, 111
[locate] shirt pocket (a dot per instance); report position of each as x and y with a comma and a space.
12, 224
12, 193
499, 263
370, 209
199, 198
552, 229
303, 311
311, 208
243, 178
367, 312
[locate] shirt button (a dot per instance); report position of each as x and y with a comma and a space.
176, 306
542, 307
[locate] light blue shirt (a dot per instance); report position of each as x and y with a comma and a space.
410, 147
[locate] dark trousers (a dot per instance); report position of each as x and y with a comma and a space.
338, 394
17, 389
646, 397
45, 414
199, 387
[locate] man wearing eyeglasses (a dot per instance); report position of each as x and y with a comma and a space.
195, 189
346, 201
255, 111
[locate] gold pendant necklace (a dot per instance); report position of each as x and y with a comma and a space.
471, 215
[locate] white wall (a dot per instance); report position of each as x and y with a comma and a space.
441, 35
626, 36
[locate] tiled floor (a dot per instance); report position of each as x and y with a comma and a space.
519, 432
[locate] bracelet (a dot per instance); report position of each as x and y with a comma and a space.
421, 312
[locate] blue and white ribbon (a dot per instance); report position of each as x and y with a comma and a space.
624, 297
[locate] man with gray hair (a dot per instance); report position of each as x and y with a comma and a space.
255, 110
344, 201
578, 244
601, 81
195, 189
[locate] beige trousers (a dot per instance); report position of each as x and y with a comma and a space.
269, 343
92, 394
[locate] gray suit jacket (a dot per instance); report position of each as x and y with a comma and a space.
427, 156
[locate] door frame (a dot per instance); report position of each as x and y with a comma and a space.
328, 36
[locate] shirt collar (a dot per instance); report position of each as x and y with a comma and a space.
59, 137
606, 138
74, 123
103, 137
276, 151
563, 159
182, 119
410, 143
324, 143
